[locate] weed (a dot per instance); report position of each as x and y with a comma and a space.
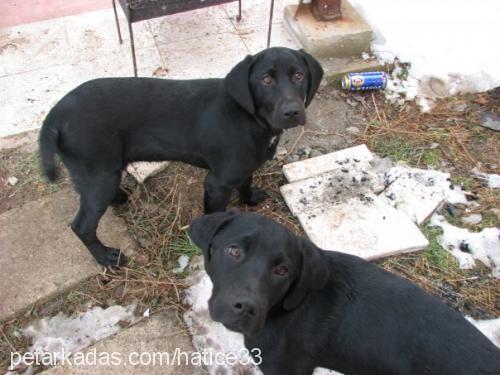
397, 149
434, 253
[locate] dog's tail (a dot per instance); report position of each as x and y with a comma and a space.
49, 139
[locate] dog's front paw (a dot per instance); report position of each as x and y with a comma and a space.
113, 258
257, 196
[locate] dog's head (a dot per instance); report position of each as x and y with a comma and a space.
255, 264
277, 84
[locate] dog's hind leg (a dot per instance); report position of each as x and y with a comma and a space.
97, 191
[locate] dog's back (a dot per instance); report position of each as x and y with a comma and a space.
113, 116
386, 323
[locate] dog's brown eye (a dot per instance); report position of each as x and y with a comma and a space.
298, 76
267, 79
280, 270
234, 251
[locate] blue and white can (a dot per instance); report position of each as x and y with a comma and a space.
364, 81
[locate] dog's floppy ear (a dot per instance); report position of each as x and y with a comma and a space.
315, 75
313, 275
237, 84
203, 229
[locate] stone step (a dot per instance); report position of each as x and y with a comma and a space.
148, 347
40, 256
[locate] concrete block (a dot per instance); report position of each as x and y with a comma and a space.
142, 170
159, 338
333, 161
349, 36
40, 255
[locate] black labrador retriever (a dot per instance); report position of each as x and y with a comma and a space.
229, 126
304, 307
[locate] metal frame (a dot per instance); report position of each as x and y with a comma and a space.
131, 32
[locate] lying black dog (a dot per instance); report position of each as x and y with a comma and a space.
304, 307
229, 126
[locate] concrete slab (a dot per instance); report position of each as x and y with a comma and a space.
346, 158
191, 25
415, 199
255, 39
146, 348
142, 170
349, 36
23, 46
220, 52
41, 256
26, 98
361, 224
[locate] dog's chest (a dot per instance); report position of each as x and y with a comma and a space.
271, 147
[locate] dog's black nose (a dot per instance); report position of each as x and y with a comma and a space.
243, 306
291, 110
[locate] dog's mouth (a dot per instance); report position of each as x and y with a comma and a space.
247, 324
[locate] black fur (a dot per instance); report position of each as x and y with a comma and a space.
331, 309
228, 126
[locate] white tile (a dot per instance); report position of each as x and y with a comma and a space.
194, 24
353, 221
33, 46
210, 57
412, 197
346, 158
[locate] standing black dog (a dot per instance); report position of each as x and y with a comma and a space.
229, 126
304, 307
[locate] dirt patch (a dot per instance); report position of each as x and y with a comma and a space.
21, 180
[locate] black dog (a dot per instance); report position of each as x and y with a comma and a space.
229, 126
304, 307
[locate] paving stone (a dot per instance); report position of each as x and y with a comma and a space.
41, 256
142, 170
332, 161
340, 212
159, 337
413, 198
349, 36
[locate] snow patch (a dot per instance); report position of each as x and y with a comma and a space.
61, 335
492, 180
449, 44
183, 262
467, 246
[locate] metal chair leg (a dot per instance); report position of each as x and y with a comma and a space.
132, 47
270, 24
117, 23
238, 17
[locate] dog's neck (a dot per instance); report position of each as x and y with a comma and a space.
267, 126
